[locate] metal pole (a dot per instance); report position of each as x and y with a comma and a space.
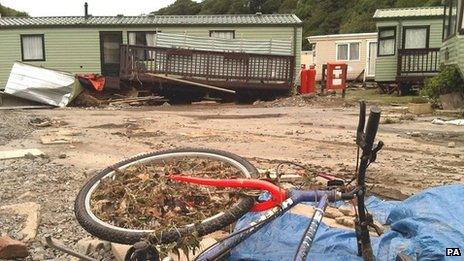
310, 233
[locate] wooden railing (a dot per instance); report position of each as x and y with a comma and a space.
418, 61
238, 68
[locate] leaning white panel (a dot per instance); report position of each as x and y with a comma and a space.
42, 85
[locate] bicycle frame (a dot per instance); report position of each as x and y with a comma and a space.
282, 201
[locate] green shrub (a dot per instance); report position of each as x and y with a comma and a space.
447, 81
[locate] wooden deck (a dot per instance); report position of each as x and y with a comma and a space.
414, 65
222, 69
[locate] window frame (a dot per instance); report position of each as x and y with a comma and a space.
43, 59
145, 32
461, 13
222, 31
379, 39
427, 38
451, 33
349, 43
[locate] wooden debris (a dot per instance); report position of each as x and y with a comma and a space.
137, 100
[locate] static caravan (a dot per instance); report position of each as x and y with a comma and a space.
409, 42
93, 43
359, 51
452, 51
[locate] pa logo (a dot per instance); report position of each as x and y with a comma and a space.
453, 252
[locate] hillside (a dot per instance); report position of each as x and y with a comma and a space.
6, 11
319, 16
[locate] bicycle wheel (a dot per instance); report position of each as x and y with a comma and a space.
100, 226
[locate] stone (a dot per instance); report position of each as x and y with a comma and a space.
415, 134
10, 248
32, 211
347, 210
89, 245
119, 251
289, 133
420, 108
333, 213
62, 156
345, 221
452, 144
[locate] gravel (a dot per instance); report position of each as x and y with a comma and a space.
54, 186
13, 126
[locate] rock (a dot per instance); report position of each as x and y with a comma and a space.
32, 211
416, 134
10, 248
119, 251
345, 221
166, 104
289, 133
89, 245
62, 156
452, 144
333, 213
300, 132
347, 210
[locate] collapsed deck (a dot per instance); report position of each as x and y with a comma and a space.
230, 70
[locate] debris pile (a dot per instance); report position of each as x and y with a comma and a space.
142, 197
306, 101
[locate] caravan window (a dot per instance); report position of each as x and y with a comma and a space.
141, 38
223, 34
33, 47
348, 51
387, 41
450, 20
415, 37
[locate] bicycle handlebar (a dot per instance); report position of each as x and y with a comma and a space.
371, 129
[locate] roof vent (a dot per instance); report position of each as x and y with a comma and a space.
86, 10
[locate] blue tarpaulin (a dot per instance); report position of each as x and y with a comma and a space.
421, 228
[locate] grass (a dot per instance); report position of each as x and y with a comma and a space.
372, 96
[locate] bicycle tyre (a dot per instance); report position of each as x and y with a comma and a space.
111, 233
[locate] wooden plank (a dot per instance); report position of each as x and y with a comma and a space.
13, 154
191, 83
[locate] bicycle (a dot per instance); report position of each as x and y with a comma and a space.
279, 202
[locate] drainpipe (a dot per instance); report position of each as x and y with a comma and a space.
86, 10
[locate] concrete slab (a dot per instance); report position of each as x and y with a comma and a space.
12, 154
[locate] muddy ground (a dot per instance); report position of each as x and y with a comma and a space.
417, 154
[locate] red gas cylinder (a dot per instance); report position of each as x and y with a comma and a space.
311, 79
304, 79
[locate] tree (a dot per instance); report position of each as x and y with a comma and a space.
186, 7
288, 6
318, 16
216, 6
6, 11
271, 6
240, 7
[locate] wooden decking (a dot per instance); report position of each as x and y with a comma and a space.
222, 69
417, 64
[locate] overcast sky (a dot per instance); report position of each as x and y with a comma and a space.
76, 7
